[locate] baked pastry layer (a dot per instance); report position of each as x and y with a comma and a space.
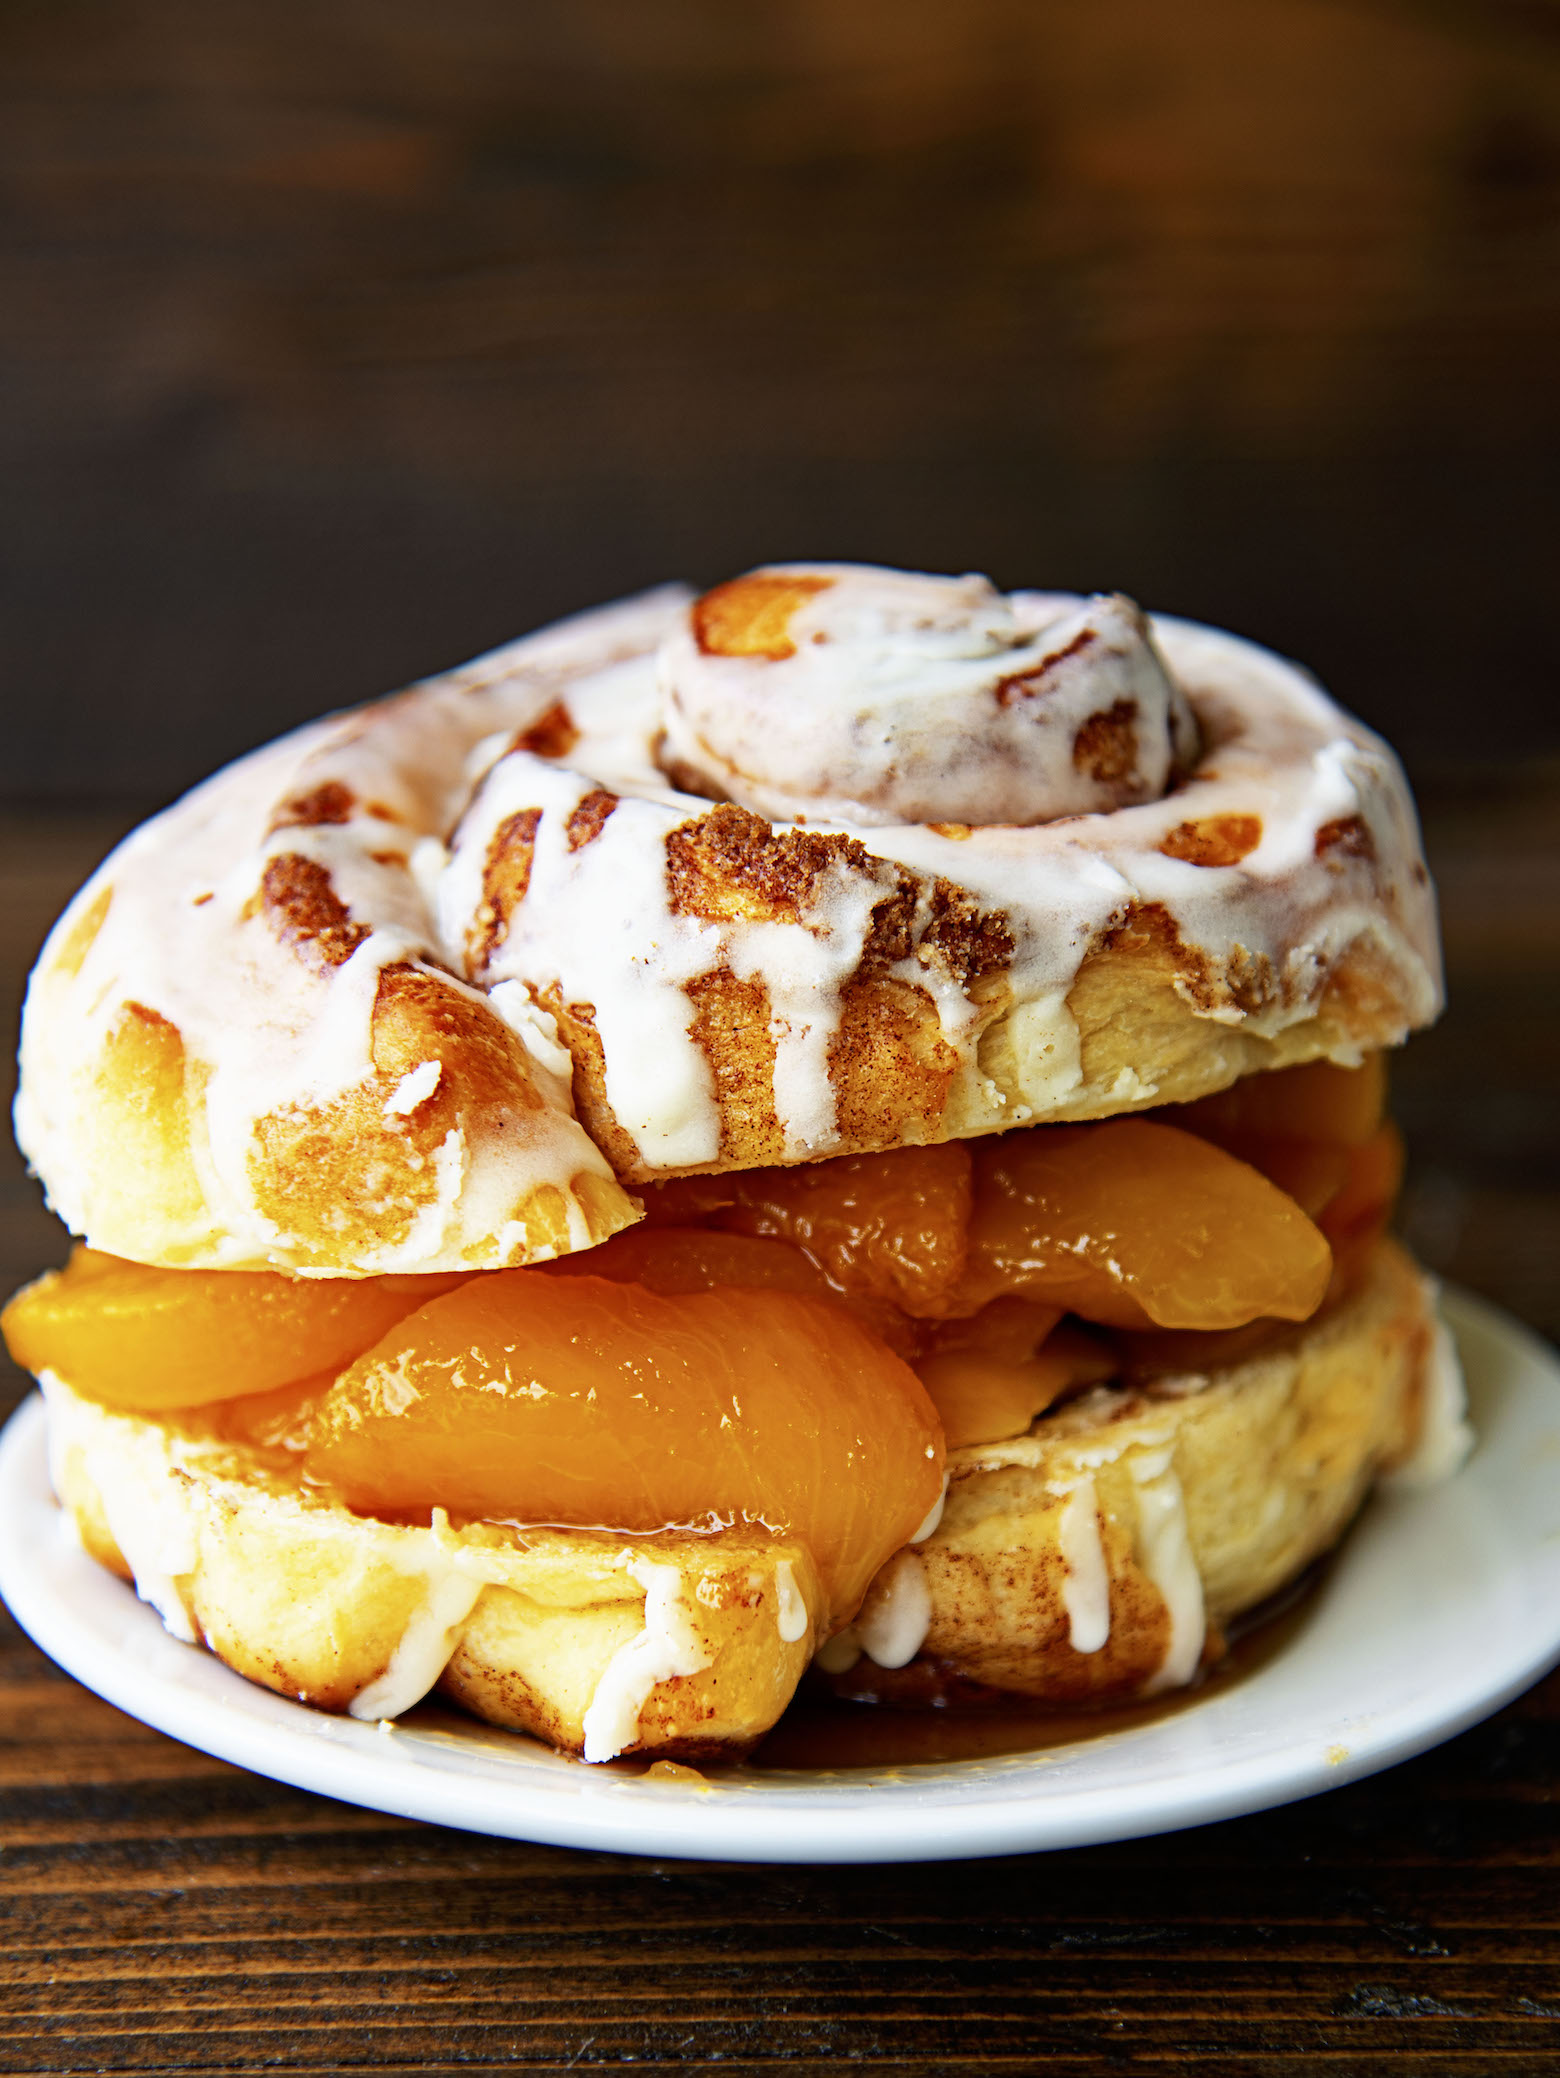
1102, 1554
1085, 1560
679, 1643
305, 1021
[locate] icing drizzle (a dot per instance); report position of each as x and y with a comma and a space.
1293, 841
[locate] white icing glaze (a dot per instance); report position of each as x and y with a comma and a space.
1444, 1438
150, 1518
424, 1648
147, 1509
150, 1508
895, 1617
909, 698
1086, 1589
791, 1609
137, 1471
1165, 1552
1046, 1046
669, 1645
414, 1089
933, 1516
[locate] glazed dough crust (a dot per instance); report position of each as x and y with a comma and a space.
425, 987
1269, 1458
352, 1614
1263, 1464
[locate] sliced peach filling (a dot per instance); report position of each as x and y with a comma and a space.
1138, 1225
149, 1340
890, 1226
790, 1346
1191, 1235
578, 1400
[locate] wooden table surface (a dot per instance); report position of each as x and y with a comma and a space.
166, 1912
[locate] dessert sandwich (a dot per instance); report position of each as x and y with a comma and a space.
837, 1124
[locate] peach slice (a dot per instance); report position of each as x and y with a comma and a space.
991, 1375
677, 1260
1133, 1224
535, 1398
891, 1225
132, 1336
1318, 1101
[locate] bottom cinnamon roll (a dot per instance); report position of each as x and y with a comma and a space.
621, 1502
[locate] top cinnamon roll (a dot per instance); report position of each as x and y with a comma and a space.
829, 859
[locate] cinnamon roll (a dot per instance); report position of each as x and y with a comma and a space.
575, 1159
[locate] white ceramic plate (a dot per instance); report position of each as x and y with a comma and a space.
1442, 1606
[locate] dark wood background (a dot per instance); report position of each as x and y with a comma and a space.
339, 340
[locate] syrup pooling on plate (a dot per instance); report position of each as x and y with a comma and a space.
541, 1399
851, 1727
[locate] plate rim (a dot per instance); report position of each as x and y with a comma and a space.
218, 1712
